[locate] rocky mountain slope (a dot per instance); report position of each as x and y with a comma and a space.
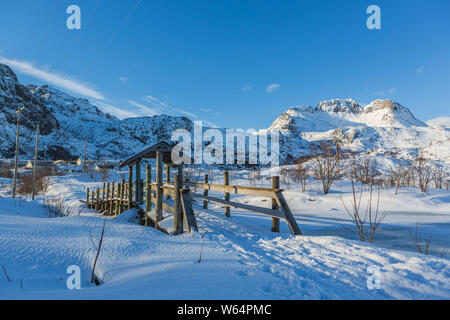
384, 128
65, 121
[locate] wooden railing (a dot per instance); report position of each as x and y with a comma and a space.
279, 209
148, 197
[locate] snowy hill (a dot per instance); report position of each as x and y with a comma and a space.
442, 121
383, 127
65, 120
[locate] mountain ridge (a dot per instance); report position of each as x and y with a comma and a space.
383, 127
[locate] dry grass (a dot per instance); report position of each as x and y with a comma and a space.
57, 206
25, 183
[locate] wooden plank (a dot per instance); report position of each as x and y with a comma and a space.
165, 206
266, 211
188, 212
252, 191
288, 214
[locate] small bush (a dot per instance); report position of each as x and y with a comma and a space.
57, 206
25, 183
5, 170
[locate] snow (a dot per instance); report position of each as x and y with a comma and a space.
442, 121
240, 257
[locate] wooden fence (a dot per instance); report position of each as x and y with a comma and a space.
115, 198
279, 209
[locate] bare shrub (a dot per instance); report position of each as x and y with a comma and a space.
422, 245
57, 206
439, 176
367, 224
105, 173
301, 176
286, 177
325, 165
25, 183
98, 248
424, 172
5, 170
398, 175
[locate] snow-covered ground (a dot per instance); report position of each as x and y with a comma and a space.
240, 257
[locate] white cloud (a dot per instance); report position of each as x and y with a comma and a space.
165, 108
115, 111
379, 93
271, 88
246, 88
143, 110
123, 79
57, 79
420, 69
392, 90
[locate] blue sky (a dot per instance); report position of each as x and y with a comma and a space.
233, 63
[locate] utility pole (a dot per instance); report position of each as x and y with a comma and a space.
35, 161
16, 164
84, 161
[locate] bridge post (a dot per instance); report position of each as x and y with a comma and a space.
275, 220
178, 216
226, 181
148, 192
130, 187
205, 193
159, 191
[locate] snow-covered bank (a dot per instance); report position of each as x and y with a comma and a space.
240, 257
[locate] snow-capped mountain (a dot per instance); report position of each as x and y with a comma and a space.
383, 127
65, 121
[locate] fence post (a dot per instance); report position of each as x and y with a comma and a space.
122, 192
108, 186
205, 193
275, 220
102, 205
97, 206
117, 208
138, 183
177, 215
148, 192
159, 191
111, 203
226, 181
167, 177
130, 186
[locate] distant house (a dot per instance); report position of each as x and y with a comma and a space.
104, 166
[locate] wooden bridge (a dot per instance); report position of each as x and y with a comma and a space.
151, 199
